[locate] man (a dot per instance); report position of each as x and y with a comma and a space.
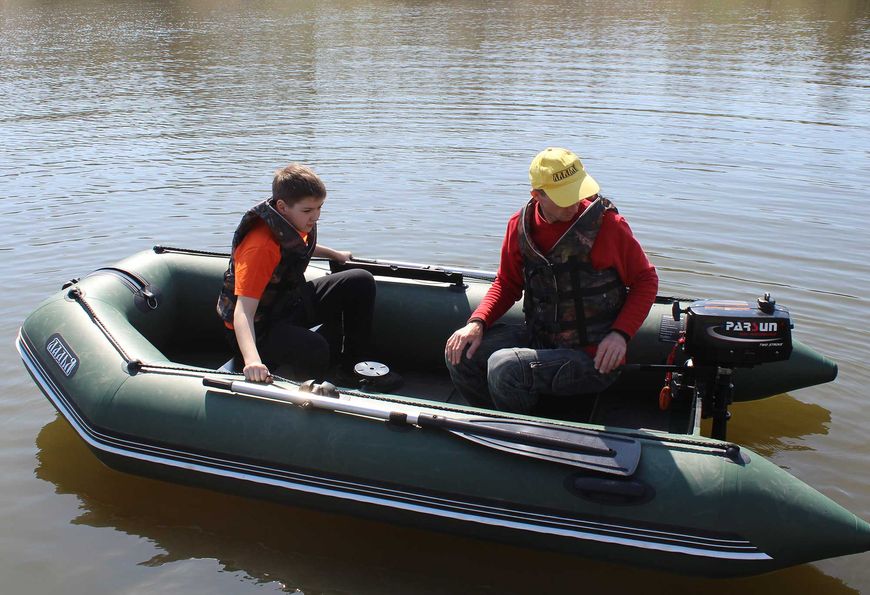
588, 288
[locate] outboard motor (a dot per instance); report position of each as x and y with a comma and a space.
720, 336
736, 334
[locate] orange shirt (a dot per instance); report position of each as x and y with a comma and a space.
255, 260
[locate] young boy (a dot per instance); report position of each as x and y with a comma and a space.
267, 305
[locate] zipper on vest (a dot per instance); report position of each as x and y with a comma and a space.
556, 294
134, 283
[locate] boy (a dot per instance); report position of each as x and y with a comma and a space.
267, 305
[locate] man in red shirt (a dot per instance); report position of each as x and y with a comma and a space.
587, 287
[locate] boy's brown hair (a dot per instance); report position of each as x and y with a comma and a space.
296, 182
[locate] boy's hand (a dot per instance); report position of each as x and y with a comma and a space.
342, 256
257, 372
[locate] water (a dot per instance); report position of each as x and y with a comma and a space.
733, 136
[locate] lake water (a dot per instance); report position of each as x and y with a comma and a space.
734, 136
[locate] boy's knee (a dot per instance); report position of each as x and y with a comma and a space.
312, 361
360, 279
318, 345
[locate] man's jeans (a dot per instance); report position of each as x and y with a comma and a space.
506, 374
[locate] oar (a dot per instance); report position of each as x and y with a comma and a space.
414, 267
470, 273
572, 446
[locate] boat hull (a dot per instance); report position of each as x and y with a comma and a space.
689, 507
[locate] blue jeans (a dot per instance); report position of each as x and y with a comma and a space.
505, 373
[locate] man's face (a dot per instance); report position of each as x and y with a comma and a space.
303, 214
551, 211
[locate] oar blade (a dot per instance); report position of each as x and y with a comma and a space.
623, 458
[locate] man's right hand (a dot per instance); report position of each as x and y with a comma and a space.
470, 334
257, 372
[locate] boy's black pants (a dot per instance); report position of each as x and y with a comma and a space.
342, 303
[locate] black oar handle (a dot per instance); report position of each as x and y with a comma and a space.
480, 429
412, 270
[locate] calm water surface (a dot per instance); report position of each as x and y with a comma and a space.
733, 135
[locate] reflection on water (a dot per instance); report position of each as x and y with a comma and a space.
762, 426
293, 549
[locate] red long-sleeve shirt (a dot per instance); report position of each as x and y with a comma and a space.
615, 246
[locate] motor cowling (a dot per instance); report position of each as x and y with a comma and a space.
731, 334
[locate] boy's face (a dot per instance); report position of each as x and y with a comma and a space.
303, 214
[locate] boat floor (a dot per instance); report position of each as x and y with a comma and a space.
631, 410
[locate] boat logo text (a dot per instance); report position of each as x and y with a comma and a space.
744, 331
751, 327
62, 354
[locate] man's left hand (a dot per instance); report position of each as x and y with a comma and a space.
610, 353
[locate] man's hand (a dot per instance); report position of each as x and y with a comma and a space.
257, 372
470, 334
610, 353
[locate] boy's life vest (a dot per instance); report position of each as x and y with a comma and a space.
567, 303
285, 288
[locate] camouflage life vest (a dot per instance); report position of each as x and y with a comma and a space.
285, 286
567, 302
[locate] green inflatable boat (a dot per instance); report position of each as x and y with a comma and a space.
133, 357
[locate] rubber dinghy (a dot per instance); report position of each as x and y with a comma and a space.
130, 357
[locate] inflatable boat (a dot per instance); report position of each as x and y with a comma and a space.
134, 358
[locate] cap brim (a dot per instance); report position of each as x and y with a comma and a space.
571, 194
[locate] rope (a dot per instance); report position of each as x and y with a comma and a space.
166, 249
76, 294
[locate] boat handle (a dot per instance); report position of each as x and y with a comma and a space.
598, 488
218, 383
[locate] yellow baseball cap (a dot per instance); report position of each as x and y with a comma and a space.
560, 174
